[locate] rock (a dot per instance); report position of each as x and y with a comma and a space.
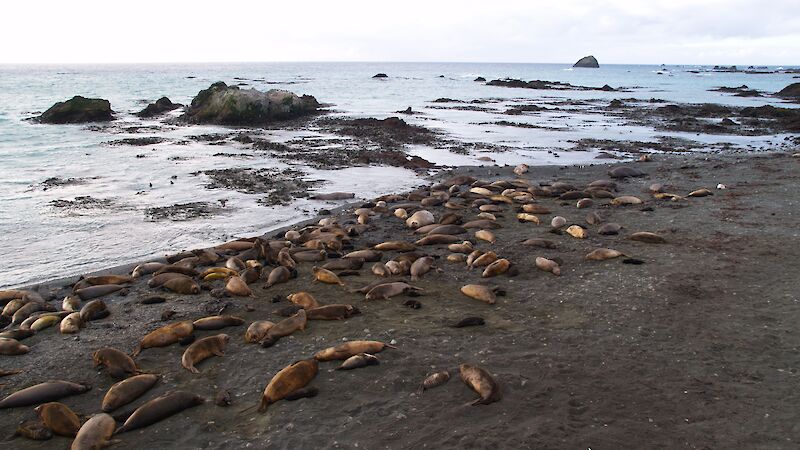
161, 106
480, 79
616, 103
790, 91
380, 75
607, 88
228, 105
78, 110
587, 62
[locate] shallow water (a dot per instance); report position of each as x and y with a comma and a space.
47, 242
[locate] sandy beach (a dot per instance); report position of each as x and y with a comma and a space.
693, 347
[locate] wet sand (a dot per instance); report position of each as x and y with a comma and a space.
695, 348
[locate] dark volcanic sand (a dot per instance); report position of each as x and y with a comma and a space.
696, 348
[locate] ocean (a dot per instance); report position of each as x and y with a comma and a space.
45, 240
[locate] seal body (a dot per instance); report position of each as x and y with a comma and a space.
59, 418
481, 382
117, 364
291, 378
203, 349
160, 408
166, 335
128, 390
348, 349
42, 393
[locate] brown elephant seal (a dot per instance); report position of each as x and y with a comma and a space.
203, 349
547, 265
12, 347
257, 331
287, 381
217, 322
146, 269
358, 361
44, 392
182, 285
59, 418
344, 264
117, 364
128, 390
71, 324
496, 268
480, 292
438, 239
645, 236
602, 254
538, 242
159, 280
388, 290
17, 334
34, 430
95, 433
481, 382
160, 408
325, 276
625, 200
434, 380
28, 309
303, 299
609, 229
165, 336
279, 275
304, 392
420, 267
108, 279
92, 292
332, 312
625, 172
94, 310
351, 348
577, 232
238, 287
285, 327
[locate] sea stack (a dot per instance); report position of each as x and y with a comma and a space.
589, 62
790, 91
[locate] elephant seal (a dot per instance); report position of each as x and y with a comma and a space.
287, 381
358, 361
238, 287
325, 276
94, 310
645, 236
59, 418
469, 322
625, 172
351, 348
481, 382
257, 331
609, 229
164, 336
160, 408
34, 430
332, 312
12, 347
42, 393
602, 254
538, 242
217, 322
285, 327
387, 290
480, 292
117, 363
279, 275
203, 349
128, 390
91, 292
71, 324
433, 380
498, 267
95, 433
303, 299
182, 285
548, 265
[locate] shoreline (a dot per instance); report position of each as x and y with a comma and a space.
677, 351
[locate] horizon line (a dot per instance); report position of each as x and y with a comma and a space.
119, 63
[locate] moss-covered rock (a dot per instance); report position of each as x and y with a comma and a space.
161, 106
78, 110
228, 105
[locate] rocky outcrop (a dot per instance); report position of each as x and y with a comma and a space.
228, 105
78, 110
480, 79
542, 84
161, 106
587, 62
380, 75
790, 91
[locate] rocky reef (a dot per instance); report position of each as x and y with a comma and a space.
161, 106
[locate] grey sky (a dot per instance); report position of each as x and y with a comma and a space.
616, 31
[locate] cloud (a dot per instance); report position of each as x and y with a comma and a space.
616, 31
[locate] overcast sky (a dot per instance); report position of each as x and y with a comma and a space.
615, 31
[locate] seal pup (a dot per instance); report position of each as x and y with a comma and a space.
433, 380
358, 361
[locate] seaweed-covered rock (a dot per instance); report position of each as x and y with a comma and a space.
228, 105
161, 106
587, 62
790, 91
78, 110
